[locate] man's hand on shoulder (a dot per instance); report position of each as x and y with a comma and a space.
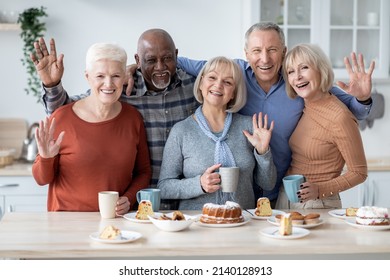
130, 71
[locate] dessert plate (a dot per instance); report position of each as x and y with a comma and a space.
127, 236
273, 232
274, 213
273, 221
246, 220
131, 217
353, 223
338, 213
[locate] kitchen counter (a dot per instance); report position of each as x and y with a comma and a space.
65, 235
378, 164
18, 168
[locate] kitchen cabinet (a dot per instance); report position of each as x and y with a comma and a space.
21, 194
338, 27
375, 191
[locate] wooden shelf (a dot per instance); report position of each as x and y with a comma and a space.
9, 26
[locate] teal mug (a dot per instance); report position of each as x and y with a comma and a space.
292, 185
151, 194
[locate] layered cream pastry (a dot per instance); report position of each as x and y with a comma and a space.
372, 216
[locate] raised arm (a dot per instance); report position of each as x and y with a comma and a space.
54, 97
359, 84
190, 66
356, 94
265, 172
50, 69
45, 166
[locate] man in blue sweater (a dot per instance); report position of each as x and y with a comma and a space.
265, 50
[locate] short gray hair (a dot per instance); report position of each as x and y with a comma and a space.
108, 51
315, 57
239, 98
267, 26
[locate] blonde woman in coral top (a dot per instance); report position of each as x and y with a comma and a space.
95, 144
327, 136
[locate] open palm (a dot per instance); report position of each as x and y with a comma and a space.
50, 68
261, 133
360, 81
48, 147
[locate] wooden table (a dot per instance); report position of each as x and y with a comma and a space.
65, 235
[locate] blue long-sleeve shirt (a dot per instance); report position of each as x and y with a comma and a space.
285, 111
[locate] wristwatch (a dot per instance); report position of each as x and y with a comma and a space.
365, 102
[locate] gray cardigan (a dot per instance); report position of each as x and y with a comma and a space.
189, 152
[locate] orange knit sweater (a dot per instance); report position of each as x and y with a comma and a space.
110, 155
326, 139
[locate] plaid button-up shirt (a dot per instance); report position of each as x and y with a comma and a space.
160, 110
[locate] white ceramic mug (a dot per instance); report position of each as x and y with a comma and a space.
107, 204
229, 178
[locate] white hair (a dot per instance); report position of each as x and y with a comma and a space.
108, 51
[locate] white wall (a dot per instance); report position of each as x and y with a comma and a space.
200, 28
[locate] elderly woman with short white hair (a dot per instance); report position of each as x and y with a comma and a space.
95, 144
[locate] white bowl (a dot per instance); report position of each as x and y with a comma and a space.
169, 225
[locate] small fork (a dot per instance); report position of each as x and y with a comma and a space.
249, 212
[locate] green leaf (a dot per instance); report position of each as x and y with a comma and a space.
32, 29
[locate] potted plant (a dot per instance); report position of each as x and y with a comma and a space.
32, 28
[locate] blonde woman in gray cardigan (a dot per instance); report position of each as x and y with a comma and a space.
217, 136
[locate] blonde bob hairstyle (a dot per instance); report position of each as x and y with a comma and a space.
313, 56
221, 62
107, 51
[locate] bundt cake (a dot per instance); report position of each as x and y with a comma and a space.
228, 213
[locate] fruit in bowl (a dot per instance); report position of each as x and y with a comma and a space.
174, 221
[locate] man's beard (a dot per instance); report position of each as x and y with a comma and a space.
160, 83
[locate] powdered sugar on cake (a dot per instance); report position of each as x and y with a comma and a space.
371, 215
228, 213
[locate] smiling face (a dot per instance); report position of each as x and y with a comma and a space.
305, 79
218, 87
156, 58
265, 53
307, 72
106, 79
